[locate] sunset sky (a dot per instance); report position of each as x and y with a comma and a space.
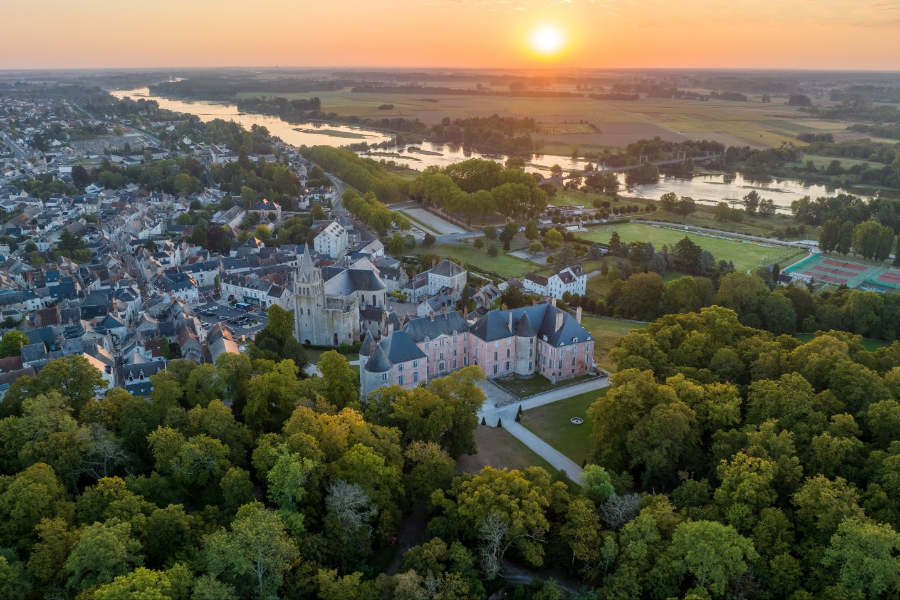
817, 34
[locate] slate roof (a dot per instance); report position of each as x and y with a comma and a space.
495, 325
368, 342
378, 362
424, 327
446, 268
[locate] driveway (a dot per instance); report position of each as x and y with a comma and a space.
501, 406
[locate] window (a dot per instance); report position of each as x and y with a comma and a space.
415, 377
495, 369
530, 353
400, 380
441, 367
507, 353
465, 361
573, 361
384, 376
415, 364
507, 365
442, 355
495, 356
400, 367
559, 364
530, 366
454, 364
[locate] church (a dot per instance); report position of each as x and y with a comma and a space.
329, 302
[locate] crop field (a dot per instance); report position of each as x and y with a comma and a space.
502, 264
746, 255
620, 122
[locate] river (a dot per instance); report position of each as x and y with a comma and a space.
703, 188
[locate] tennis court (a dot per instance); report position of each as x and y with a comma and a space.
836, 271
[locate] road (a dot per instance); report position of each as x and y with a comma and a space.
14, 147
506, 413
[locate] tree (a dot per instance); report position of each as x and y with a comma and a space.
714, 554
845, 238
822, 504
429, 468
866, 557
531, 231
553, 239
597, 484
492, 251
140, 584
687, 255
428, 240
565, 257
254, 553
680, 295
640, 297
80, 177
341, 381
12, 342
751, 202
104, 552
534, 248
507, 508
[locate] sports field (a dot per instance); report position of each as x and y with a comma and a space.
745, 254
835, 270
503, 264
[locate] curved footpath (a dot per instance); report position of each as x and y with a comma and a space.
492, 413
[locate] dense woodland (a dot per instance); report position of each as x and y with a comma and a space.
728, 463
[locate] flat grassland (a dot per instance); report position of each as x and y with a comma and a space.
502, 264
552, 424
620, 122
606, 333
746, 255
499, 449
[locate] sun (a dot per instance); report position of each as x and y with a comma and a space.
547, 40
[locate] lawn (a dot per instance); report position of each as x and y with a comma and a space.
869, 344
551, 423
502, 264
314, 355
499, 449
606, 333
746, 255
523, 388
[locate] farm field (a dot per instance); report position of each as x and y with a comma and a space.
620, 122
552, 424
606, 333
502, 264
745, 255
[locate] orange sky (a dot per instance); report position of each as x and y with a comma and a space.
818, 34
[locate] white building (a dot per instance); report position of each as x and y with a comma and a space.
332, 240
570, 279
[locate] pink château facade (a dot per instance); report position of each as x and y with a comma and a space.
540, 339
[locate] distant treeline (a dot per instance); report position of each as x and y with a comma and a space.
446, 91
614, 96
225, 88
885, 131
731, 96
289, 110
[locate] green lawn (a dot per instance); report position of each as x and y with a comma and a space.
746, 255
523, 388
314, 355
606, 333
869, 344
551, 423
502, 264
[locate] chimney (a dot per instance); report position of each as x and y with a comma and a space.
465, 313
510, 321
503, 306
553, 302
560, 317
534, 302
578, 315
431, 314
433, 263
